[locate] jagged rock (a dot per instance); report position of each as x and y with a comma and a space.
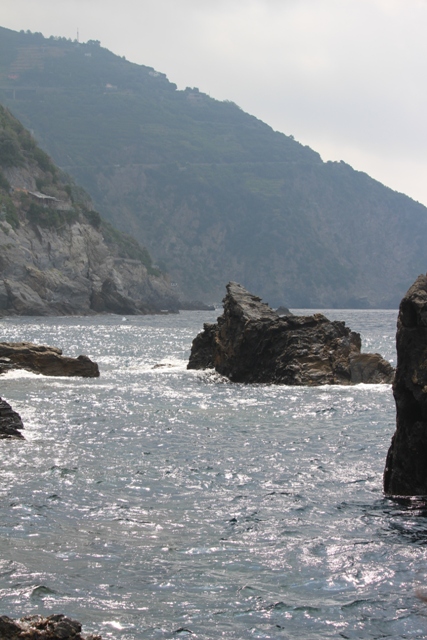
55, 627
251, 343
405, 471
46, 360
203, 348
10, 423
370, 368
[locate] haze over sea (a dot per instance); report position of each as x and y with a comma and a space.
156, 502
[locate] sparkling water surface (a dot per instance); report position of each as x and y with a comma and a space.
156, 502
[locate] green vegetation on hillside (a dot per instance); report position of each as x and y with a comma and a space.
18, 146
214, 193
18, 149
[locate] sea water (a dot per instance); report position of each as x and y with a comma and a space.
156, 502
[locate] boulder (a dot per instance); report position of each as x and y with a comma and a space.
10, 423
46, 360
252, 343
54, 627
405, 471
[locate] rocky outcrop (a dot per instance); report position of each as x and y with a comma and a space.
46, 360
72, 270
405, 471
57, 255
251, 343
55, 627
10, 422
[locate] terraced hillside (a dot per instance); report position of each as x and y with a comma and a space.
212, 192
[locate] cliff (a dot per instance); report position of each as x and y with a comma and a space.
405, 471
252, 343
57, 255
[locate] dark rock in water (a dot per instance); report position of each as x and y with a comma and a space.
284, 311
203, 348
10, 423
55, 627
46, 360
370, 368
251, 343
405, 471
38, 359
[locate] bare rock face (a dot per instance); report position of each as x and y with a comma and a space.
10, 423
70, 269
405, 471
46, 360
251, 343
48, 272
55, 627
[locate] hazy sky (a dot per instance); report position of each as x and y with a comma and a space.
346, 77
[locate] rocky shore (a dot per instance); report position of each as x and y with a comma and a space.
252, 343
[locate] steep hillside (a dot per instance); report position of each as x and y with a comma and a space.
57, 255
212, 192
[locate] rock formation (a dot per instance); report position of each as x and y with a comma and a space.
251, 343
46, 271
46, 360
57, 255
405, 471
10, 422
55, 627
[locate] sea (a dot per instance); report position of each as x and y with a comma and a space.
155, 502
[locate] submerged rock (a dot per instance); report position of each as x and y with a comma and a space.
10, 423
405, 471
251, 343
46, 360
55, 627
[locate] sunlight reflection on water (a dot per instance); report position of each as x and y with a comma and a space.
156, 499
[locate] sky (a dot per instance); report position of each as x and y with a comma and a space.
345, 77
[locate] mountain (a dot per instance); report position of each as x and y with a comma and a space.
212, 192
57, 255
